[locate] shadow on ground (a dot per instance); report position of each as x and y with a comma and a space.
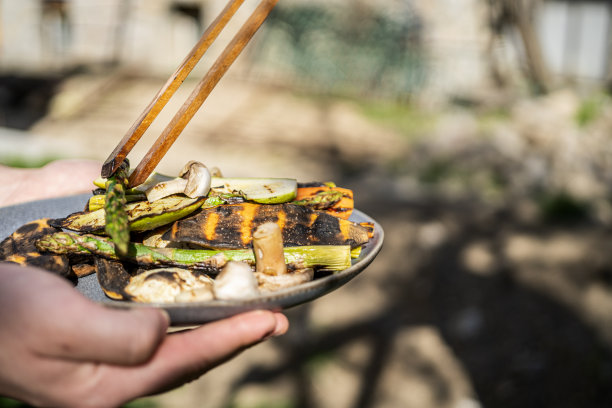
517, 344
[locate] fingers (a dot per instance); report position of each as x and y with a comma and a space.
56, 179
112, 336
185, 356
216, 342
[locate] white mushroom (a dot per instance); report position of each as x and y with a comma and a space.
236, 281
270, 283
198, 179
165, 284
193, 181
268, 248
165, 189
202, 294
271, 270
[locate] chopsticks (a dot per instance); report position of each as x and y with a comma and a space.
194, 101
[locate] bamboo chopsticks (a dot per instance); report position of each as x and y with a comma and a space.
197, 97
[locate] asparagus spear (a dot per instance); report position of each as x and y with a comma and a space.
328, 257
117, 225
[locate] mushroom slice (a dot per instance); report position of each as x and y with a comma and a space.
203, 294
268, 247
198, 179
194, 181
270, 283
164, 285
271, 270
236, 281
165, 189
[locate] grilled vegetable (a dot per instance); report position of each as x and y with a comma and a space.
116, 219
259, 190
20, 248
164, 285
232, 226
113, 278
193, 181
326, 257
151, 181
235, 281
142, 216
268, 249
333, 200
271, 283
97, 201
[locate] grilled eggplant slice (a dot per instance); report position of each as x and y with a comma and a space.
113, 278
143, 215
20, 248
232, 226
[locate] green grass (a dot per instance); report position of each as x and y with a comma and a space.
590, 109
402, 117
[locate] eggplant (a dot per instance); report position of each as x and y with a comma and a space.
232, 226
20, 248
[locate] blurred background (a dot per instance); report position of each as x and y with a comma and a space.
477, 132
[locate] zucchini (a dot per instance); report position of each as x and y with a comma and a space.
142, 215
259, 190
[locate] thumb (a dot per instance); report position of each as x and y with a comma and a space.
107, 335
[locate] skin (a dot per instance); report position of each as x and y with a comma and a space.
56, 179
57, 348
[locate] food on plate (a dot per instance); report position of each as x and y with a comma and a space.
116, 222
20, 248
231, 226
329, 198
196, 237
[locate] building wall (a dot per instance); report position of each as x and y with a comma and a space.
150, 38
141, 33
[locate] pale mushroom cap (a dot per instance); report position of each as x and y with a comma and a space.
236, 281
194, 181
198, 179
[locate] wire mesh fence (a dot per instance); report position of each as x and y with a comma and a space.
343, 49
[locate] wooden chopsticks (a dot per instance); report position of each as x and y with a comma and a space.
195, 100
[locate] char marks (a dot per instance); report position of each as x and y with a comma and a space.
232, 226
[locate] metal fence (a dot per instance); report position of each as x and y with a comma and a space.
343, 49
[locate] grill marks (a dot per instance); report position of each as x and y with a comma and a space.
113, 278
232, 226
20, 248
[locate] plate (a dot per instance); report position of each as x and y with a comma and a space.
197, 312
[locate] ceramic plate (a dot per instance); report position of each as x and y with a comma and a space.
201, 312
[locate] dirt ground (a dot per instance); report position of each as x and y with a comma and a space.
469, 303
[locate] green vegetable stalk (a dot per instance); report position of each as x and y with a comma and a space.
328, 257
117, 225
322, 200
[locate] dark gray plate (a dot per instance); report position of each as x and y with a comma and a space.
196, 313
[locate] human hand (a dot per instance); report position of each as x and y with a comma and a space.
57, 348
56, 179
